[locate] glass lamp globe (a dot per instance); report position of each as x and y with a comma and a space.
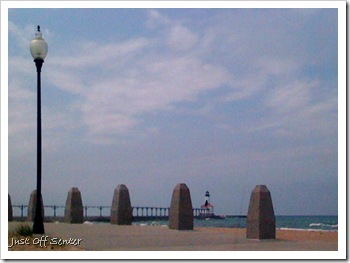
38, 46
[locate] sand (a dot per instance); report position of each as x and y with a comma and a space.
107, 237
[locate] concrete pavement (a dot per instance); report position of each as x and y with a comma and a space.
107, 237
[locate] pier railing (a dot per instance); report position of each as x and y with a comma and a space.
138, 212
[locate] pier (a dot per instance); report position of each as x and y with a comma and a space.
139, 213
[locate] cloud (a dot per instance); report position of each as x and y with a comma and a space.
115, 105
91, 54
295, 107
66, 80
133, 78
181, 38
56, 127
114, 85
21, 35
292, 97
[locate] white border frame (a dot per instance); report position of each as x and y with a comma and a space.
340, 254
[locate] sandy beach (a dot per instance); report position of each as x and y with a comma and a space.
107, 237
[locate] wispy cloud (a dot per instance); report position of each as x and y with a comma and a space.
116, 83
295, 107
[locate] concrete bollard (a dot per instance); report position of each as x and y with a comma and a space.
261, 223
121, 211
10, 214
74, 212
181, 214
32, 206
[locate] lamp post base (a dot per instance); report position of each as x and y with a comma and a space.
38, 226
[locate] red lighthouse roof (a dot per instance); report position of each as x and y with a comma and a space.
206, 205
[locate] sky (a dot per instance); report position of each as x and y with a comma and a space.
219, 99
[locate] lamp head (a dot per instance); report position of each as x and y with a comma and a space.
38, 46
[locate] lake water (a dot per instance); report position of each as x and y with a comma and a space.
325, 223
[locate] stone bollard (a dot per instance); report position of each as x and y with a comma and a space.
10, 214
74, 212
32, 206
121, 211
261, 223
181, 214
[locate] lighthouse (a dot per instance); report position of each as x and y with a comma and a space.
207, 207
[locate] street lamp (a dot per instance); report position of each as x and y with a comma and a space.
38, 49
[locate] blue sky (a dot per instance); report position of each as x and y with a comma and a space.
219, 99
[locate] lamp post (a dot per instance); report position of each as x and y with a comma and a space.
38, 49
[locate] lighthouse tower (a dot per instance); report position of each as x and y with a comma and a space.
208, 208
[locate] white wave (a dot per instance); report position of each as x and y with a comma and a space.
308, 229
316, 224
321, 224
